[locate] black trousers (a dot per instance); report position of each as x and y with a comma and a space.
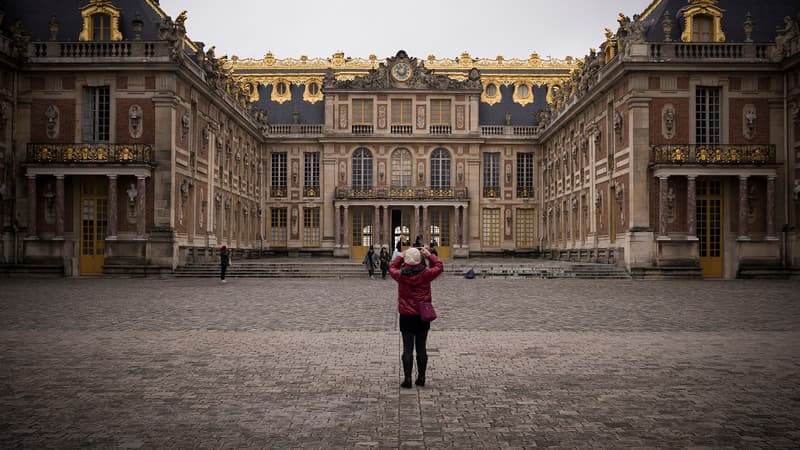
415, 336
222, 269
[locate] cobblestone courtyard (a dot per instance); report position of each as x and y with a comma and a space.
515, 363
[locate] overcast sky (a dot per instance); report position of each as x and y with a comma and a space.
318, 28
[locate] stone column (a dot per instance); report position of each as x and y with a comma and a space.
426, 229
417, 225
140, 207
771, 207
387, 228
32, 206
59, 206
465, 226
663, 186
346, 227
112, 206
743, 207
337, 226
456, 226
691, 207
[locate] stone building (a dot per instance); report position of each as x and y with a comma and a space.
671, 147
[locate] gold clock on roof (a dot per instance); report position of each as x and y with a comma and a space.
401, 71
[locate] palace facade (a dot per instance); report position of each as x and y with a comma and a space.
671, 147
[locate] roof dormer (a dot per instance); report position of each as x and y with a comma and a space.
703, 22
100, 22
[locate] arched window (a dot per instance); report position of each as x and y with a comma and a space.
401, 168
440, 169
362, 168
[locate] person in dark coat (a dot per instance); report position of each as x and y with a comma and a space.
384, 259
224, 261
413, 287
371, 261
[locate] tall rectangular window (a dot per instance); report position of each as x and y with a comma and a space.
490, 228
311, 234
401, 112
278, 227
524, 175
311, 174
707, 115
101, 27
278, 177
491, 174
526, 228
96, 114
362, 111
440, 112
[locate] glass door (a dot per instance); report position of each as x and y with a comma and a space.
709, 226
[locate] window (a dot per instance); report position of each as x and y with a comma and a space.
440, 112
362, 111
440, 169
491, 90
401, 168
526, 228
707, 115
97, 114
278, 179
490, 230
311, 174
491, 174
311, 227
281, 88
401, 112
702, 28
362, 168
362, 227
278, 228
524, 175
101, 27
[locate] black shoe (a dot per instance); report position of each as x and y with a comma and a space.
420, 381
406, 384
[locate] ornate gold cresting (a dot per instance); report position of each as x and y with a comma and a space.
703, 8
100, 7
304, 71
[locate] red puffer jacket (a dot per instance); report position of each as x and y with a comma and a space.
414, 286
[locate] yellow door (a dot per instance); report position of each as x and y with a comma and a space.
709, 226
93, 234
361, 232
440, 231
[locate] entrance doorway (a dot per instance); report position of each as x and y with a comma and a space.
440, 231
362, 232
709, 226
93, 226
401, 226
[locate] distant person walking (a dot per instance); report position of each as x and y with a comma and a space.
224, 262
414, 287
384, 258
371, 261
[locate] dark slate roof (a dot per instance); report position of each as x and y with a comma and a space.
281, 113
520, 115
36, 15
767, 15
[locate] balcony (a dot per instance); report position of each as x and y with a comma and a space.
401, 129
277, 191
509, 131
708, 51
311, 191
363, 130
525, 192
295, 129
401, 193
713, 154
441, 130
132, 51
83, 153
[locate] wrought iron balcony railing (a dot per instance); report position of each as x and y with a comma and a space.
277, 191
525, 192
401, 192
713, 154
84, 153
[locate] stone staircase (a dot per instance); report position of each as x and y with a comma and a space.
344, 268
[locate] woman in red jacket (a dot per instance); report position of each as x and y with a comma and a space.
413, 287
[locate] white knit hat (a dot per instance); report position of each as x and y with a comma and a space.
412, 257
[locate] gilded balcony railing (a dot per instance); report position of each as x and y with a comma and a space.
713, 154
311, 191
277, 191
401, 192
90, 153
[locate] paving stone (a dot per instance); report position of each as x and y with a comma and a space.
304, 363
